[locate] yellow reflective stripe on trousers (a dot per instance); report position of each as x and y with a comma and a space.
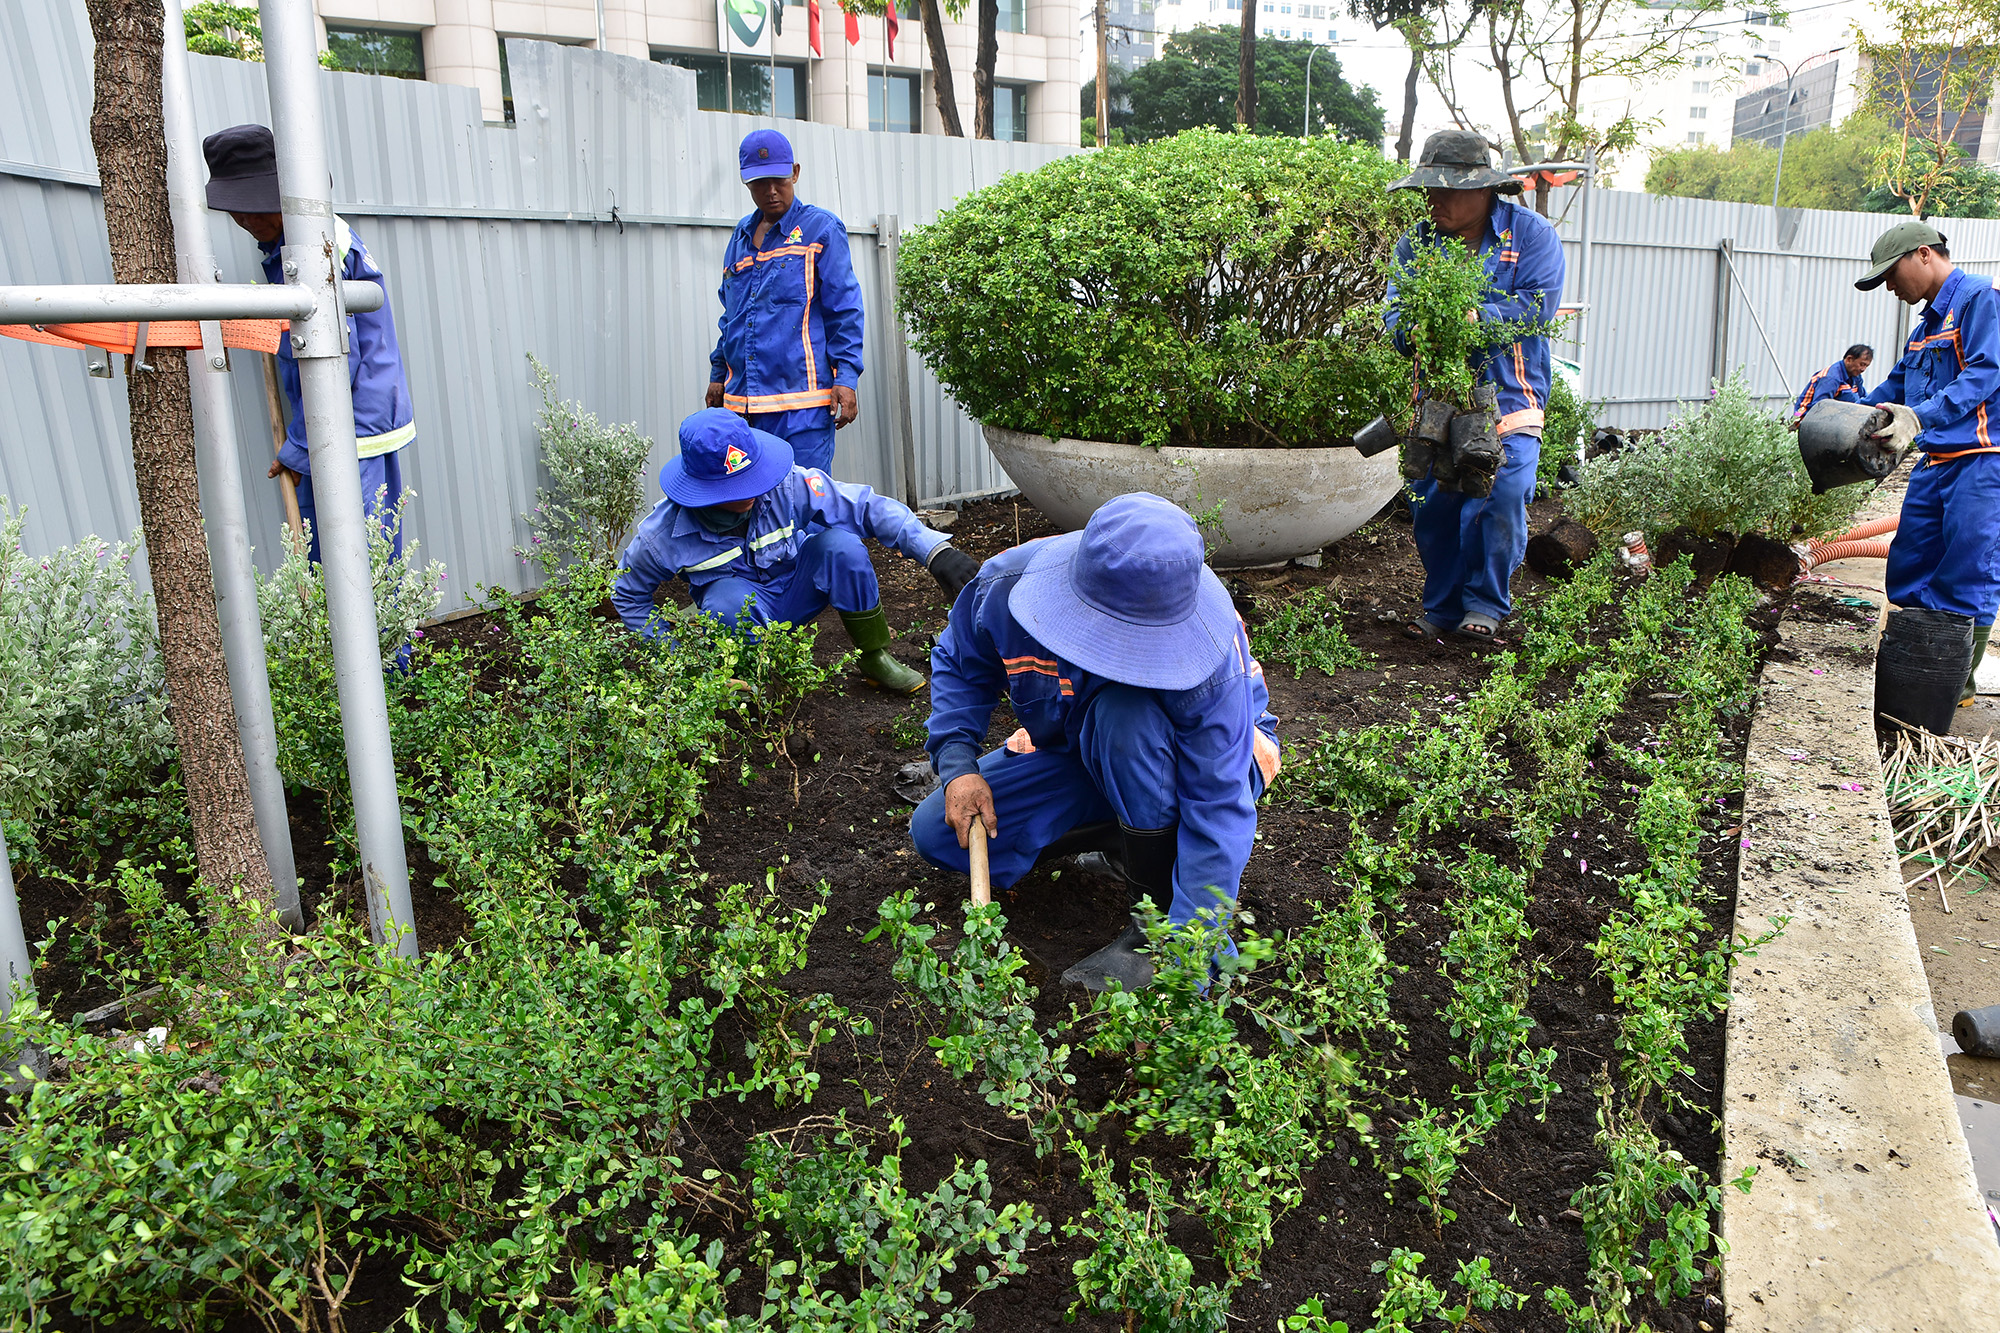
759, 543
373, 446
715, 562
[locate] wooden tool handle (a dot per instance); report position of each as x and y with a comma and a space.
982, 883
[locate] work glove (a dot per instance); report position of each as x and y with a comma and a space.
953, 569
1903, 426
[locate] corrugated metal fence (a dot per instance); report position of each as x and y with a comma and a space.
498, 242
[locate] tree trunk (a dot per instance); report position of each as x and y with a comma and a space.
129, 134
1409, 104
1246, 69
947, 96
982, 69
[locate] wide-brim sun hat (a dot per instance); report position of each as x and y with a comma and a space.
242, 170
1457, 160
1904, 238
722, 459
1129, 598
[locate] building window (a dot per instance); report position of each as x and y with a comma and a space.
1286, 34
1305, 34
748, 77
1696, 136
1701, 87
1752, 69
1697, 113
1013, 16
1284, 9
894, 104
1010, 113
397, 55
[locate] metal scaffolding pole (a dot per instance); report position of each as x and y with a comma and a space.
115, 303
222, 483
319, 342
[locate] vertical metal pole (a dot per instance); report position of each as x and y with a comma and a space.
1305, 116
889, 240
17, 968
222, 484
311, 260
1784, 127
1104, 78
1719, 359
1583, 264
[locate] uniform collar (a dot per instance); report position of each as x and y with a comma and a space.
687, 525
778, 229
1942, 301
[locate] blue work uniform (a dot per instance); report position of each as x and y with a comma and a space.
798, 551
791, 328
1833, 382
1470, 545
384, 419
1151, 759
1946, 552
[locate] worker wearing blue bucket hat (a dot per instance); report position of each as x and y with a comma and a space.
788, 357
759, 538
1145, 731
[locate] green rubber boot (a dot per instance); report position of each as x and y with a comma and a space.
870, 631
1979, 637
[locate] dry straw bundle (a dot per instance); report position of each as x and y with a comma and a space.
1940, 791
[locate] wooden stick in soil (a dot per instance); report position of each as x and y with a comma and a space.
982, 881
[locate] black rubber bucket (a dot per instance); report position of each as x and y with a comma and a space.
1921, 667
1837, 441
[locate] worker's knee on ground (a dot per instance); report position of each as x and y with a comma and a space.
728, 601
933, 838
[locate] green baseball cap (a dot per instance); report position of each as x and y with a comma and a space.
1892, 245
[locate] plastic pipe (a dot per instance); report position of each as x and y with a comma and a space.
222, 484
112, 303
1821, 553
319, 342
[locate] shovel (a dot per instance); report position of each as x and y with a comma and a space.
982, 882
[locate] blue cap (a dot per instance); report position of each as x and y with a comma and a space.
765, 153
723, 459
1129, 598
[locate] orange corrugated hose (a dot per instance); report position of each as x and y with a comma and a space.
1863, 540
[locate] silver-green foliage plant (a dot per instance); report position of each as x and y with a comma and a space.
596, 483
83, 700
292, 601
1725, 467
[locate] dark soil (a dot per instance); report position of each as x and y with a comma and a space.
847, 828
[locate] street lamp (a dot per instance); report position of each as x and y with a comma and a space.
1305, 117
1785, 120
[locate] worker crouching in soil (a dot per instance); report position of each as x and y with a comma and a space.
759, 538
1145, 727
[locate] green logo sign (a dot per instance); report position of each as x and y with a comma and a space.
747, 19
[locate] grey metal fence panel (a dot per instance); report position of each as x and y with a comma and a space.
499, 242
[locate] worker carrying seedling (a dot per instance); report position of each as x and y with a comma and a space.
1840, 381
1472, 538
243, 182
1144, 727
1944, 563
789, 358
758, 537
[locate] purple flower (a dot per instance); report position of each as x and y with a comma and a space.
416, 634
1583, 867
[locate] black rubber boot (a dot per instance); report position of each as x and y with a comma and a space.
870, 631
1979, 637
1147, 860
1082, 840
1921, 667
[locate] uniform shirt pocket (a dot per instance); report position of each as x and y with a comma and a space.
784, 280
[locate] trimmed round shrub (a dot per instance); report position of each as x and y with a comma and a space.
1209, 289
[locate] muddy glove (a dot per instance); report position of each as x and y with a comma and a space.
953, 569
1903, 427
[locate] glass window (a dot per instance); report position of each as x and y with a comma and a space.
1697, 113
398, 55
894, 104
1286, 34
1013, 16
748, 77
1701, 87
1696, 136
1010, 113
1305, 34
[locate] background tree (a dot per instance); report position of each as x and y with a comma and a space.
128, 133
1421, 23
1118, 100
1246, 66
217, 28
1193, 80
1824, 168
1932, 72
983, 60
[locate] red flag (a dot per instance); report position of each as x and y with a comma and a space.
893, 26
853, 26
812, 26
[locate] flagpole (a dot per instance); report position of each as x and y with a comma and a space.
775, 7
728, 68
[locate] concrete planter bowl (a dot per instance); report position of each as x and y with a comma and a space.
1276, 503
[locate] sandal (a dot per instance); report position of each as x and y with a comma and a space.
1423, 627
1477, 626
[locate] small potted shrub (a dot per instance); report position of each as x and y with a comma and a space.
1199, 317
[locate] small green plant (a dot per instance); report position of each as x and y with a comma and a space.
1567, 427
756, 946
1133, 1269
1304, 632
908, 730
597, 483
1436, 287
1408, 1297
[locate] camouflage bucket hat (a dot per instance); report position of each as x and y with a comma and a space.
1456, 160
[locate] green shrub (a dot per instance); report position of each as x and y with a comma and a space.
1435, 287
292, 601
597, 484
1209, 289
1724, 467
1568, 424
1304, 632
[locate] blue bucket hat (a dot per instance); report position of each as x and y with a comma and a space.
1129, 598
722, 459
765, 153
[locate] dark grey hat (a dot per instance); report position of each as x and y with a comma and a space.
1457, 160
242, 170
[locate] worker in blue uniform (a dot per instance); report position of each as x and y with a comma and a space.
243, 182
1471, 545
789, 355
1944, 394
1840, 381
1145, 731
759, 538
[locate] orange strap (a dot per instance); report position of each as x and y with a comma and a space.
1932, 460
256, 335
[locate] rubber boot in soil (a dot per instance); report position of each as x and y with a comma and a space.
870, 631
1979, 636
1147, 860
1921, 666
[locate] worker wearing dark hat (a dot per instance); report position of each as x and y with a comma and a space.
1145, 731
1944, 394
243, 182
759, 538
1471, 545
789, 355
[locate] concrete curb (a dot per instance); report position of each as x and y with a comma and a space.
1864, 1214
